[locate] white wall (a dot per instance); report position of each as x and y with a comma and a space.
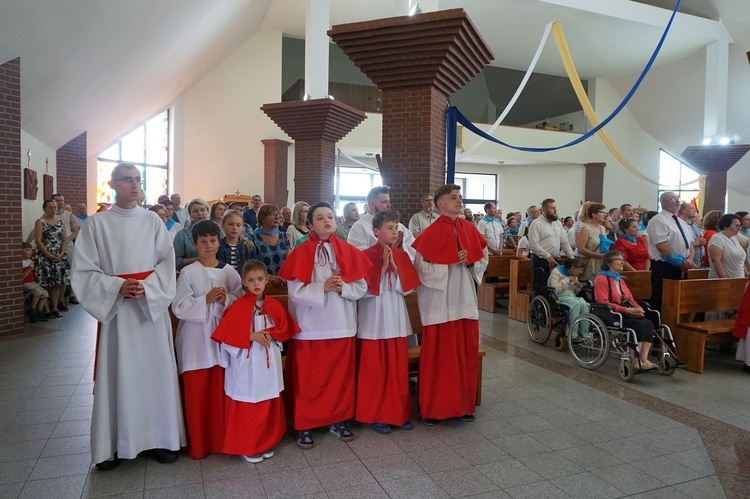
219, 126
737, 201
31, 210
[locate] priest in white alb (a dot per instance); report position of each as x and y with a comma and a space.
124, 276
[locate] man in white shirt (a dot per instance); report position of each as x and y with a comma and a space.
124, 277
531, 215
351, 215
180, 214
424, 218
546, 237
492, 229
669, 246
361, 235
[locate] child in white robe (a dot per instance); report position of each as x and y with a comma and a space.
250, 336
204, 289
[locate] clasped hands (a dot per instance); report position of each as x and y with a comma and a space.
132, 288
333, 283
388, 261
262, 337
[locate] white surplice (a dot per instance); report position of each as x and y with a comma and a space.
384, 316
362, 237
254, 374
136, 394
198, 319
322, 315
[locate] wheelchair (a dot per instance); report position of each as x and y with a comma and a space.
546, 314
606, 335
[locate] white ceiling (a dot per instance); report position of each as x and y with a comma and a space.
105, 67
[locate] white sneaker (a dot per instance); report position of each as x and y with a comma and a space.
254, 459
268, 454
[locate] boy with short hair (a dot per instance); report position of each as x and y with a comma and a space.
250, 336
204, 290
383, 397
38, 294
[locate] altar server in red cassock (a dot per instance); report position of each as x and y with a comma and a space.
325, 278
204, 290
741, 327
383, 397
250, 336
451, 257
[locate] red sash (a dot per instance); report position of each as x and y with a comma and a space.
139, 276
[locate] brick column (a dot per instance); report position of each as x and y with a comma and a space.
594, 183
714, 162
315, 125
11, 272
418, 62
275, 159
71, 170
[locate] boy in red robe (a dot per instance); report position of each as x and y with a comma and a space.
325, 278
383, 397
250, 336
451, 257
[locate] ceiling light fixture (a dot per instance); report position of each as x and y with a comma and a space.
415, 10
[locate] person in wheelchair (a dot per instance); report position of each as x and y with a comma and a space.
564, 280
610, 289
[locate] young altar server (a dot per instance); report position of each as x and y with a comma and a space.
451, 256
205, 289
250, 336
383, 397
325, 277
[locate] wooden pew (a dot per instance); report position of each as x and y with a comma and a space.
639, 283
697, 274
682, 299
496, 280
520, 288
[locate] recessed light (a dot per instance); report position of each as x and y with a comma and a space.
369, 154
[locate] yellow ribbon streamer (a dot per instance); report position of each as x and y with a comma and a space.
575, 80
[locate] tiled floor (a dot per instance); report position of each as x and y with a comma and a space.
544, 429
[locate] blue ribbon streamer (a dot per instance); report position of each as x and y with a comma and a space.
454, 116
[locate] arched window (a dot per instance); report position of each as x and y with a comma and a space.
147, 147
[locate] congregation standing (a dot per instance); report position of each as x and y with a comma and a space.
344, 362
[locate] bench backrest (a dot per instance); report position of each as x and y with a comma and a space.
639, 283
520, 274
681, 298
697, 274
498, 267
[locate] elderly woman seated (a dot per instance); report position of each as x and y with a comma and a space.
610, 289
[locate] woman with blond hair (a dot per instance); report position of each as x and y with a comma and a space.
581, 220
298, 229
590, 239
184, 250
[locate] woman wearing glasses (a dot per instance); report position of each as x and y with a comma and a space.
632, 246
726, 256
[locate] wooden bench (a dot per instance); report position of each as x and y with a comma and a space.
682, 299
520, 289
639, 281
496, 280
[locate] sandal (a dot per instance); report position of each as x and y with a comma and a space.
342, 431
381, 428
305, 440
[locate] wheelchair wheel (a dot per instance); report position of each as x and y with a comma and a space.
591, 349
560, 342
539, 320
627, 371
667, 365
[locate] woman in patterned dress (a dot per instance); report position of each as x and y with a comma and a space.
272, 245
51, 267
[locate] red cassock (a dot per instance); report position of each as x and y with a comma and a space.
742, 322
383, 364
203, 399
252, 428
448, 362
320, 373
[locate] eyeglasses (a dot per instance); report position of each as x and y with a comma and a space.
130, 180
736, 226
603, 212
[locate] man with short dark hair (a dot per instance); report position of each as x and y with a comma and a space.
351, 215
124, 277
250, 216
492, 230
546, 238
420, 221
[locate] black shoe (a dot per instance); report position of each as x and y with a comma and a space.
62, 307
72, 301
40, 315
32, 316
108, 465
163, 456
746, 368
469, 418
430, 422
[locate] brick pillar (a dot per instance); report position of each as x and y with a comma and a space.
11, 291
275, 159
71, 170
594, 187
714, 162
315, 125
418, 62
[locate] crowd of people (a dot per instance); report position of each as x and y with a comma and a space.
225, 391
